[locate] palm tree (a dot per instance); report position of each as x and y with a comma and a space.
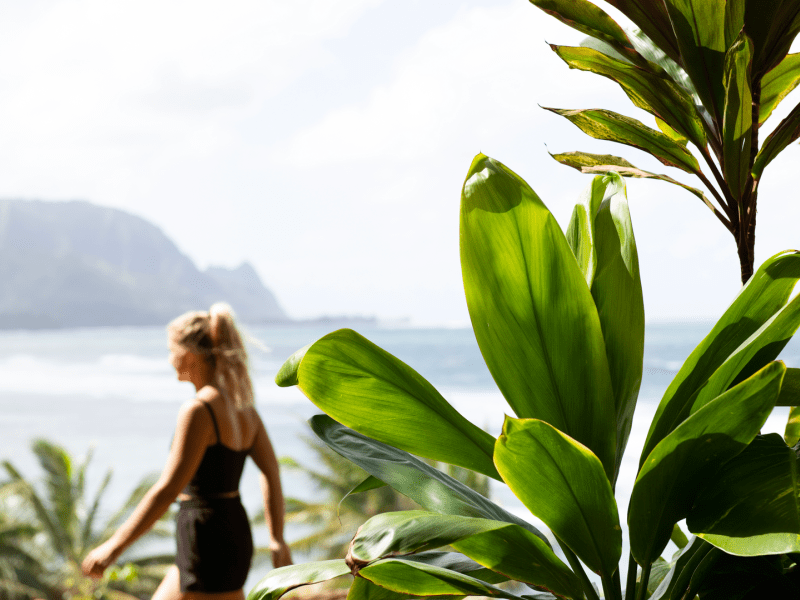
54, 527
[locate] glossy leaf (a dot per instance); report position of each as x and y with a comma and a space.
673, 473
412, 477
606, 125
601, 237
751, 506
617, 292
777, 84
418, 579
677, 578
455, 561
532, 313
363, 589
279, 581
765, 293
760, 348
790, 389
657, 94
784, 134
652, 18
738, 115
792, 434
591, 20
699, 27
745, 578
562, 483
604, 163
366, 388
671, 133
581, 160
502, 547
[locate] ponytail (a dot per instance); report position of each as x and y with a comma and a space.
231, 370
214, 336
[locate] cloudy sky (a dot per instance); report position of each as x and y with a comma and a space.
327, 142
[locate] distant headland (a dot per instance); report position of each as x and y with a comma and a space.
77, 264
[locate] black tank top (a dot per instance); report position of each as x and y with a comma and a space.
220, 470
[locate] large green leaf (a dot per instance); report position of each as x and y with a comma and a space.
699, 27
658, 94
562, 483
582, 160
591, 20
279, 581
738, 115
606, 125
752, 505
790, 389
455, 561
673, 473
792, 433
777, 84
743, 578
425, 485
652, 18
758, 350
363, 589
366, 388
764, 294
502, 547
677, 578
420, 579
531, 310
784, 134
601, 237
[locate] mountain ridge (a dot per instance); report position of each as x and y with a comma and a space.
78, 264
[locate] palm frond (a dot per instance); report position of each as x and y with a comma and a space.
57, 465
87, 538
48, 525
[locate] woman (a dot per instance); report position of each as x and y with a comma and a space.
216, 431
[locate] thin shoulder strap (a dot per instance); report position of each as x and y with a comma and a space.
213, 419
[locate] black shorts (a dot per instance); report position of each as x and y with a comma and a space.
215, 545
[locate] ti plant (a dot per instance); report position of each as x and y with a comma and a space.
711, 72
560, 323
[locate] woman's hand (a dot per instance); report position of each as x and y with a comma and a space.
99, 559
281, 556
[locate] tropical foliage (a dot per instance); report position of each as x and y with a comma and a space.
349, 497
560, 322
710, 72
46, 530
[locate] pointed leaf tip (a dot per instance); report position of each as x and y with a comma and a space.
287, 375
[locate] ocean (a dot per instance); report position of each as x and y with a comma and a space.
113, 390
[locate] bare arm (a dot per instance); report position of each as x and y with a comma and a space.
192, 436
264, 457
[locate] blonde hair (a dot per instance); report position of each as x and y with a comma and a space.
215, 336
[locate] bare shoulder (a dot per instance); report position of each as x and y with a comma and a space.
208, 393
252, 417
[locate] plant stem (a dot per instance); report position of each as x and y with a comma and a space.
630, 582
608, 589
617, 585
642, 591
588, 588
